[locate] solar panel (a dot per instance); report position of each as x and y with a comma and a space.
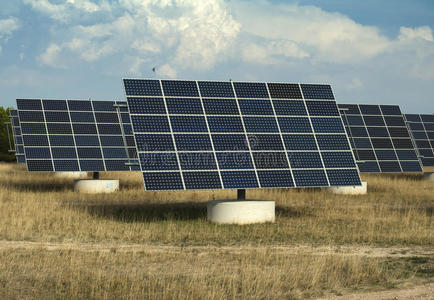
17, 138
238, 135
76, 135
379, 138
421, 127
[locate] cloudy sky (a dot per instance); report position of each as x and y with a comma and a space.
370, 51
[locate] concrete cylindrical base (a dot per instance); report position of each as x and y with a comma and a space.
428, 176
70, 174
92, 186
350, 190
241, 211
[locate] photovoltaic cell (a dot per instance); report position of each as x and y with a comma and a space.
421, 127
380, 138
231, 135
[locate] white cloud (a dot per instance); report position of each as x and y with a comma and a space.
424, 33
166, 71
7, 27
355, 83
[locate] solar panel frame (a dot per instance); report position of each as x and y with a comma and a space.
422, 135
17, 137
379, 124
245, 94
54, 138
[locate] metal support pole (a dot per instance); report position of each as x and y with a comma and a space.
95, 175
241, 194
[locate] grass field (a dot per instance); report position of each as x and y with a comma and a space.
135, 244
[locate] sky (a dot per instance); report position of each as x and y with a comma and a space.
371, 52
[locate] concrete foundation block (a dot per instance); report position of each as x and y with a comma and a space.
428, 176
241, 211
70, 174
350, 190
93, 186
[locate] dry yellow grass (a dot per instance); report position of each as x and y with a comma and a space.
396, 213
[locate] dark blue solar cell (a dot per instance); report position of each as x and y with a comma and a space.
21, 159
35, 140
305, 160
366, 154
128, 129
146, 105
20, 150
361, 143
412, 118
270, 160
63, 152
373, 120
333, 142
142, 87
184, 106
220, 106
358, 132
103, 105
428, 162
225, 124
180, 88
378, 132
150, 124
378, 143
193, 142
394, 121
294, 125
284, 90
31, 116
255, 107
106, 117
37, 153
57, 116
250, 90
370, 109
234, 160
125, 118
130, 141
112, 140
19, 140
162, 181
116, 165
317, 91
216, 89
349, 109
406, 154
390, 110
425, 152
416, 126
66, 165
197, 161
158, 161
427, 118
385, 154
188, 124
13, 112
260, 124
289, 107
93, 165
109, 129
411, 166
389, 166
398, 132
402, 143
344, 177
114, 153
310, 178
420, 135
265, 142
202, 180
322, 108
82, 117
275, 179
369, 167
79, 105
15, 121
338, 159
39, 165
154, 142
33, 128
229, 142
429, 126
29, 104
239, 179
355, 120
59, 128
299, 142
327, 125
55, 105
87, 140
84, 128
89, 152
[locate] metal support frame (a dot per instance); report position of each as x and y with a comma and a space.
241, 194
95, 175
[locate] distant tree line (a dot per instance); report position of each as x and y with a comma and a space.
4, 141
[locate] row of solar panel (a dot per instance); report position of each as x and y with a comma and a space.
422, 131
71, 105
74, 128
248, 179
76, 117
179, 88
74, 165
230, 106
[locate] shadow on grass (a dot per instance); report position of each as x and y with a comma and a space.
293, 212
41, 186
146, 212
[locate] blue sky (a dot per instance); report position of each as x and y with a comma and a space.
370, 51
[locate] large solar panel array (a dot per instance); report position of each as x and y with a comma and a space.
228, 135
380, 138
422, 130
76, 135
17, 138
